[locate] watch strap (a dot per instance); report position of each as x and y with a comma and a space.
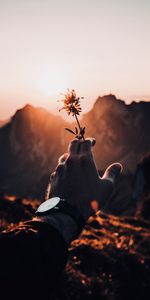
64, 207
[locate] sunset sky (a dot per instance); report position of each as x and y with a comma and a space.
94, 46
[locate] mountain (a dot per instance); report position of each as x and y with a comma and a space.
33, 139
121, 131
3, 122
29, 151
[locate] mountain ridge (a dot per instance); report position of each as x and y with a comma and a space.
33, 139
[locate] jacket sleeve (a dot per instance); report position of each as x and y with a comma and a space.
32, 256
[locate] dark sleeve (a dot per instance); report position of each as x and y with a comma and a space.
32, 256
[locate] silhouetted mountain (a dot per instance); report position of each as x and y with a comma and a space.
121, 131
30, 145
32, 141
3, 122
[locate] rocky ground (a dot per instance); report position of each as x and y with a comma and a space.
109, 261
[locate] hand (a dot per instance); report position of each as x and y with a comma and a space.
76, 178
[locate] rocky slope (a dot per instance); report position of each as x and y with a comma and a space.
121, 131
29, 151
32, 141
109, 261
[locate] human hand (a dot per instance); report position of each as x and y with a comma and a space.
76, 179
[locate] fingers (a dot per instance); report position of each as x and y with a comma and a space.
112, 172
80, 146
86, 145
62, 158
74, 147
107, 183
77, 149
60, 167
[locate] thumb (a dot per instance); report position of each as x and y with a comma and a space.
112, 172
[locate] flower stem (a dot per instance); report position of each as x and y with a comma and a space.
79, 127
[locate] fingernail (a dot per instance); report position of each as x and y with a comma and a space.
93, 142
116, 169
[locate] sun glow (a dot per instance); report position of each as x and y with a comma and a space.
50, 46
52, 82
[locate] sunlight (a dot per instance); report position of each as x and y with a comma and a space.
52, 83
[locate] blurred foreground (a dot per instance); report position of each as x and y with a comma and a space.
109, 261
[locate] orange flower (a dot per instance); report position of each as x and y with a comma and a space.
72, 106
72, 103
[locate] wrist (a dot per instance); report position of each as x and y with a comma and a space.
63, 216
66, 226
55, 206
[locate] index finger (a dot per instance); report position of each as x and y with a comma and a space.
86, 145
81, 147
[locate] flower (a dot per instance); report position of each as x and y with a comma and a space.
72, 107
72, 103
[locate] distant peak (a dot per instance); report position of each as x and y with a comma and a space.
109, 97
28, 106
30, 113
107, 100
24, 113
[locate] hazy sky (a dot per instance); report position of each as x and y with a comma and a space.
93, 46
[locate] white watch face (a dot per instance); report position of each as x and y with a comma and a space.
48, 204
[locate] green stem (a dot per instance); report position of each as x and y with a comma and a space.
79, 126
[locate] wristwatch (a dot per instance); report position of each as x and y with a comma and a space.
55, 205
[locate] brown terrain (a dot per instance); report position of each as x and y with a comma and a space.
110, 259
